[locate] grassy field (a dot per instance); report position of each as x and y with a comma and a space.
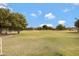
41, 43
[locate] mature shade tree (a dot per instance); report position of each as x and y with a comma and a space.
18, 22
11, 21
77, 24
4, 22
30, 28
60, 27
45, 27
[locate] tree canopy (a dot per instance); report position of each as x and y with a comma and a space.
11, 20
77, 24
60, 27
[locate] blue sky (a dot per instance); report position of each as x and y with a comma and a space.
52, 14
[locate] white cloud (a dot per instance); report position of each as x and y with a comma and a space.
50, 25
66, 10
36, 14
62, 22
39, 12
3, 5
33, 14
76, 4
49, 16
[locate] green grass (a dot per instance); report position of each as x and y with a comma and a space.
41, 43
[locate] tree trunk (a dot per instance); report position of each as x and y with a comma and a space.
77, 29
18, 32
6, 31
0, 30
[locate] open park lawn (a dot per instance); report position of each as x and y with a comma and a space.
41, 43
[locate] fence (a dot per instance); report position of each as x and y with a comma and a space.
0, 46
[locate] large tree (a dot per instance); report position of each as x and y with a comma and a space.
77, 24
45, 27
18, 22
11, 20
60, 27
4, 22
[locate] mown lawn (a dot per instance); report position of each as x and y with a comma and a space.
41, 43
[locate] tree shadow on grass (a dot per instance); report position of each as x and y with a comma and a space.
58, 54
73, 32
3, 34
48, 54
